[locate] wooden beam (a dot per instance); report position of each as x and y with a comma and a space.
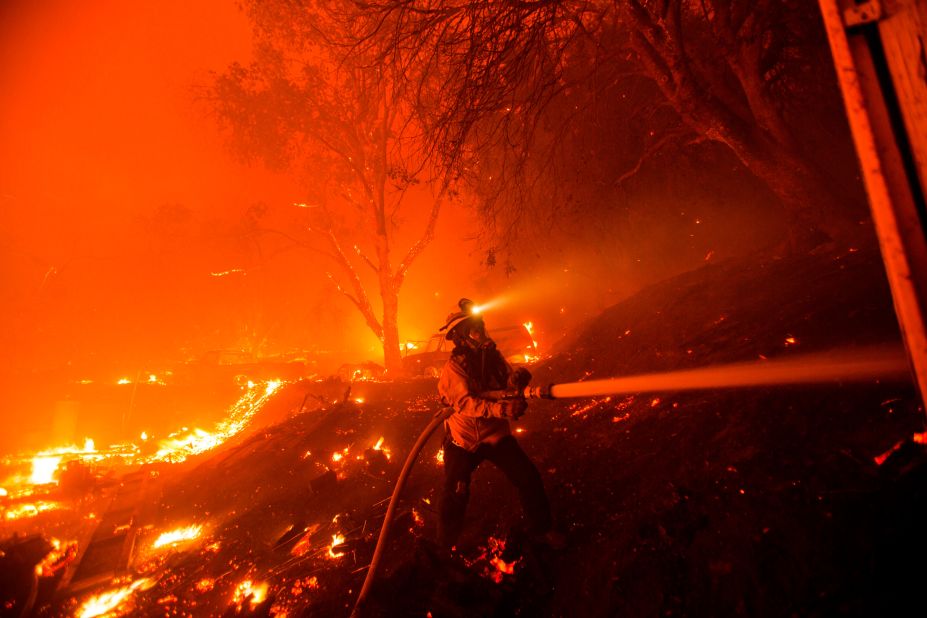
893, 195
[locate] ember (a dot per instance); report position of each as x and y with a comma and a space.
507, 568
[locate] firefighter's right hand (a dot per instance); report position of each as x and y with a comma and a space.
513, 408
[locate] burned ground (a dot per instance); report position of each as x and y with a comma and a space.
757, 502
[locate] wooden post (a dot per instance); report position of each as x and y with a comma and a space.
879, 55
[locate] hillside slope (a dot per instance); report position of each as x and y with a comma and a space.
751, 502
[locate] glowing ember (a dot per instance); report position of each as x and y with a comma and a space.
410, 345
106, 602
253, 593
358, 400
582, 409
124, 381
59, 556
508, 568
204, 585
177, 536
790, 340
337, 540
379, 444
22, 511
43, 470
439, 456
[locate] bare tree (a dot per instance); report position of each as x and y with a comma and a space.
737, 72
345, 122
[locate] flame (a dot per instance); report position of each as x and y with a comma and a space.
337, 540
43, 470
531, 355
106, 602
410, 345
249, 591
177, 448
177, 536
379, 447
124, 381
439, 456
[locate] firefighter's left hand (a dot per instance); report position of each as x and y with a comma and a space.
514, 408
519, 378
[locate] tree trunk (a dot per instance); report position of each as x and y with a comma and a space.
392, 358
756, 135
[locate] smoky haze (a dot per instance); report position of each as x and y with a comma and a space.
124, 221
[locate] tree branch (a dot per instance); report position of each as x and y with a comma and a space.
426, 238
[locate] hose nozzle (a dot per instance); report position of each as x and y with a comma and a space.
537, 392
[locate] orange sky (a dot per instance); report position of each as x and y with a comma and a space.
100, 129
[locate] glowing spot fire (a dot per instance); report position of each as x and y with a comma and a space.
59, 556
253, 593
177, 536
43, 470
106, 602
337, 540
22, 511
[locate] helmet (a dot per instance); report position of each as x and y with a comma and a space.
456, 318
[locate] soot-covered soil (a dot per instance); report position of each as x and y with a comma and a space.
751, 502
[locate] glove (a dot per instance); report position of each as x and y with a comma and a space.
512, 408
519, 378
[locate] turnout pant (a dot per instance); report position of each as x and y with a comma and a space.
507, 455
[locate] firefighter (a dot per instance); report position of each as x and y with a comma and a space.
479, 430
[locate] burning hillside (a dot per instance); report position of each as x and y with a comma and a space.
762, 501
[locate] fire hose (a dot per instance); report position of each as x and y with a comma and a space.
855, 365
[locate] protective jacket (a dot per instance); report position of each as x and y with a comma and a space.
465, 375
